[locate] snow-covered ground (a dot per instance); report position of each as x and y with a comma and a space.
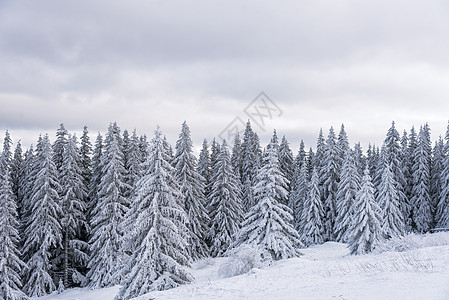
323, 272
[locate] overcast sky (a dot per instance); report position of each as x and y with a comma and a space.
143, 63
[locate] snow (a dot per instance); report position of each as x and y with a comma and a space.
324, 272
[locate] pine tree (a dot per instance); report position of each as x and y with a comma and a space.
364, 233
299, 194
269, 221
133, 161
286, 161
27, 176
330, 179
204, 168
392, 156
10, 263
43, 230
97, 174
250, 151
107, 235
158, 261
236, 158
7, 154
436, 172
85, 160
442, 210
348, 188
422, 209
73, 220
59, 145
224, 204
342, 145
312, 217
297, 165
192, 188
16, 165
392, 219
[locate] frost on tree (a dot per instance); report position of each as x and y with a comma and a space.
251, 154
348, 187
11, 264
422, 210
192, 188
107, 235
442, 211
43, 230
311, 230
329, 178
73, 221
299, 194
224, 204
391, 215
269, 221
365, 231
286, 161
157, 237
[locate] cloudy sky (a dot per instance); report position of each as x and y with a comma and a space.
142, 63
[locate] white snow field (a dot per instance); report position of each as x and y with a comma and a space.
416, 267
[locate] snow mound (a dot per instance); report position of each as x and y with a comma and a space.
413, 241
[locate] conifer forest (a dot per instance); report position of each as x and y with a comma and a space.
136, 211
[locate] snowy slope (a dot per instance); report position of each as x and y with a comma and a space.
324, 272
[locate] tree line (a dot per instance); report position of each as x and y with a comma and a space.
137, 213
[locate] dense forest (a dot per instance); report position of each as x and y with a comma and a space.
137, 212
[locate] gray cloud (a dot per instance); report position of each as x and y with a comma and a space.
143, 63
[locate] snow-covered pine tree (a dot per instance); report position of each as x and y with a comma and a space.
43, 231
421, 201
406, 165
348, 188
442, 210
97, 174
7, 154
251, 154
204, 168
269, 222
297, 164
16, 165
319, 157
299, 194
342, 145
159, 258
11, 265
107, 236
236, 157
311, 231
133, 163
436, 180
225, 206
73, 222
59, 145
365, 231
26, 180
330, 179
393, 156
85, 160
192, 188
359, 159
391, 215
286, 161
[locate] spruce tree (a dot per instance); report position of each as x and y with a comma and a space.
59, 145
330, 179
311, 231
85, 160
299, 194
269, 221
11, 265
7, 154
158, 261
73, 220
107, 235
236, 157
192, 188
297, 164
442, 210
393, 156
133, 161
225, 206
388, 199
43, 231
97, 174
365, 231
286, 161
422, 209
204, 168
436, 172
348, 188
